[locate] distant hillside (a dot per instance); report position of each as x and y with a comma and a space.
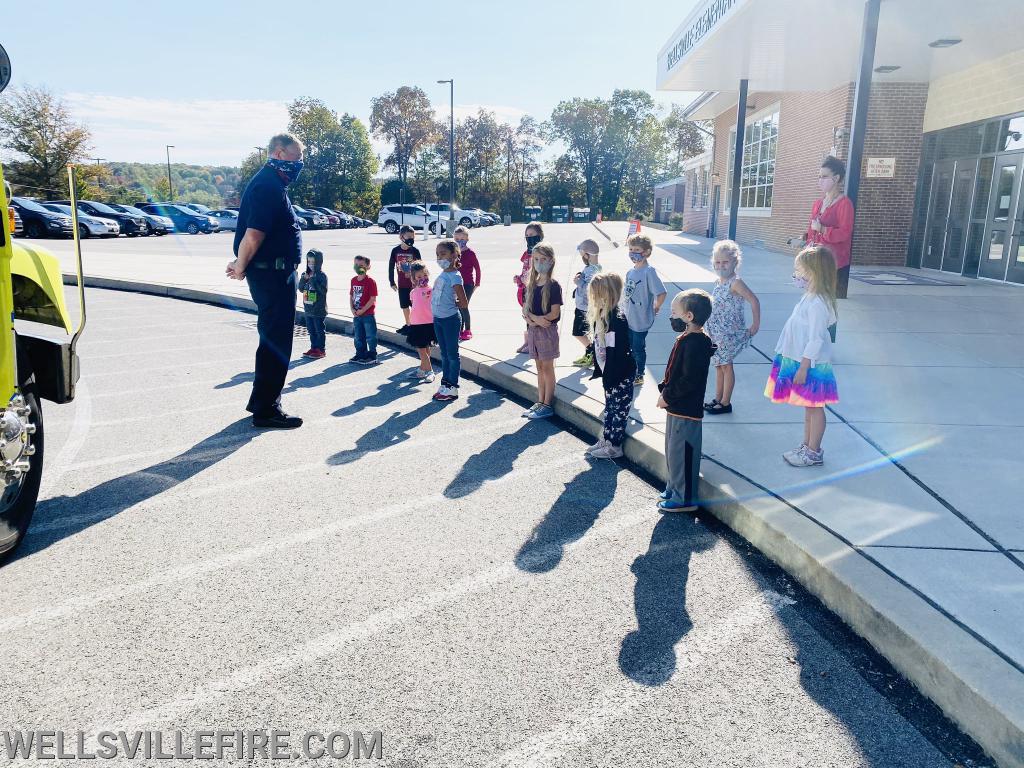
210, 185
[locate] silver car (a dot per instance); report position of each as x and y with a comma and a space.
88, 226
227, 219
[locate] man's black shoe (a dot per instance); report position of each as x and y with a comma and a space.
276, 420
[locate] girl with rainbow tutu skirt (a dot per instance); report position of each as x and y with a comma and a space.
802, 370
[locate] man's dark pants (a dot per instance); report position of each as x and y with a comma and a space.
273, 291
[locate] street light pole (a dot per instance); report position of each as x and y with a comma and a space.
170, 189
451, 154
98, 161
261, 150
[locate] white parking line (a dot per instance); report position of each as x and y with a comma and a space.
185, 488
171, 367
246, 677
699, 647
195, 570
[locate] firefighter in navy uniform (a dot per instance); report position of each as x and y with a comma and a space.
268, 249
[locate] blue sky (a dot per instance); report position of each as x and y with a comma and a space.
212, 78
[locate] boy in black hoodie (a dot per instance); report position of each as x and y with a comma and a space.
682, 396
313, 285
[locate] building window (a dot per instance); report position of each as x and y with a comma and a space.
667, 205
704, 187
757, 173
693, 189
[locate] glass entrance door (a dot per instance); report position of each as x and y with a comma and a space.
959, 216
1015, 256
938, 215
1003, 219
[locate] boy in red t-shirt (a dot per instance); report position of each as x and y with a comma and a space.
363, 299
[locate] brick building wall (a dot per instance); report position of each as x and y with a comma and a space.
807, 121
885, 207
985, 90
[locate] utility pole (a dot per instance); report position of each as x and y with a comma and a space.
451, 156
170, 189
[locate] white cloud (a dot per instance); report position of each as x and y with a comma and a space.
207, 131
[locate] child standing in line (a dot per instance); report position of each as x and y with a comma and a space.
402, 257
802, 370
588, 251
542, 307
726, 326
447, 298
682, 393
613, 362
470, 270
313, 286
363, 301
644, 295
421, 322
534, 234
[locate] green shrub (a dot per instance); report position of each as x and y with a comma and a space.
675, 221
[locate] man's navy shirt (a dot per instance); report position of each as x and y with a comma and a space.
265, 206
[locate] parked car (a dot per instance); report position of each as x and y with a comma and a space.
40, 222
197, 207
334, 219
185, 219
131, 225
464, 217
158, 225
227, 220
313, 219
494, 217
17, 227
392, 217
365, 223
88, 226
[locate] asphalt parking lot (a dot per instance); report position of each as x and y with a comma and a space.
452, 575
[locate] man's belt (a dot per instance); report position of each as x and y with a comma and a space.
279, 263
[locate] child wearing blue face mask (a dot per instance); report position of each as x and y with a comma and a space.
644, 295
727, 326
446, 299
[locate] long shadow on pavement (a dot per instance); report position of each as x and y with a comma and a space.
64, 516
496, 460
393, 431
396, 386
246, 377
647, 654
477, 403
573, 514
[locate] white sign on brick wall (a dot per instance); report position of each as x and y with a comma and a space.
881, 168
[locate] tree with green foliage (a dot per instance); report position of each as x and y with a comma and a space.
581, 125
684, 139
406, 119
38, 128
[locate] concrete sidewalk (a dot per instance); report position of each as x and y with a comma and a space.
910, 532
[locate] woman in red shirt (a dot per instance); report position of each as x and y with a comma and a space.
832, 220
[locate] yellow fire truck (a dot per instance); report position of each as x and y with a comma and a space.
32, 368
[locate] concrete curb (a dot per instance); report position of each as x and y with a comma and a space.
977, 689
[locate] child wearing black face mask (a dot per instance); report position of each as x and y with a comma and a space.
402, 257
534, 234
682, 397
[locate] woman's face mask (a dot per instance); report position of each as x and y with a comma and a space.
444, 263
531, 241
801, 281
543, 266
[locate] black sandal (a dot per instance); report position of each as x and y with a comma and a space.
710, 405
718, 408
